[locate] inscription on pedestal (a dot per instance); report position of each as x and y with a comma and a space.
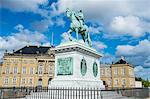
65, 66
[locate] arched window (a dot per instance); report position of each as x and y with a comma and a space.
40, 69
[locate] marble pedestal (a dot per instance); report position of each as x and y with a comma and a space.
68, 69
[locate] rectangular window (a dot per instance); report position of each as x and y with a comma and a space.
7, 70
14, 80
50, 69
40, 69
0, 69
116, 82
24, 70
102, 72
15, 70
123, 82
108, 72
6, 80
109, 82
116, 71
31, 71
30, 81
23, 80
123, 71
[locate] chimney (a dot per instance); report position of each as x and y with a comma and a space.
6, 51
122, 57
13, 50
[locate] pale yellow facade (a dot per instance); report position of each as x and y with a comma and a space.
122, 76
106, 75
118, 75
20, 70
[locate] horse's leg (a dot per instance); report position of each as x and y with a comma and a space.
69, 34
83, 38
89, 39
77, 36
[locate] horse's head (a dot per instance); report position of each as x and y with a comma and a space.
68, 12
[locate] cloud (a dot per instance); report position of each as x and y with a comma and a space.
129, 25
22, 5
21, 38
138, 54
107, 58
95, 28
124, 17
65, 37
142, 72
99, 45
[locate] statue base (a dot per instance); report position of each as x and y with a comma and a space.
76, 65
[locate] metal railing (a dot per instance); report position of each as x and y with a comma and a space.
72, 93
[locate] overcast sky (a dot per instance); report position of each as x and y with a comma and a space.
117, 27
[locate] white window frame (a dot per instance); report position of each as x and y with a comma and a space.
23, 70
15, 70
103, 71
6, 81
116, 82
14, 80
123, 71
23, 81
123, 82
40, 69
31, 70
30, 81
7, 70
115, 71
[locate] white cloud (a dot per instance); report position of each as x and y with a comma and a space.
141, 49
138, 54
95, 28
65, 37
129, 25
99, 45
125, 17
147, 61
21, 38
22, 5
142, 72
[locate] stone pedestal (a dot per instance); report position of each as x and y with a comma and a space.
76, 65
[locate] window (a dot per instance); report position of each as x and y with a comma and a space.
15, 70
102, 70
40, 69
31, 71
7, 70
116, 71
23, 81
108, 72
116, 82
123, 71
6, 80
0, 69
14, 80
109, 82
30, 81
123, 82
50, 70
24, 70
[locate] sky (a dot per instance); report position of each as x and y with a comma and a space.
117, 27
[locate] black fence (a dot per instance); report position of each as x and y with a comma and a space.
72, 93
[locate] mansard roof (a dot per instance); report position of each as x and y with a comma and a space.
121, 61
33, 50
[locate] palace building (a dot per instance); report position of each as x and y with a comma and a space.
29, 66
118, 75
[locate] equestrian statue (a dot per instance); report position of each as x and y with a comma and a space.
78, 26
